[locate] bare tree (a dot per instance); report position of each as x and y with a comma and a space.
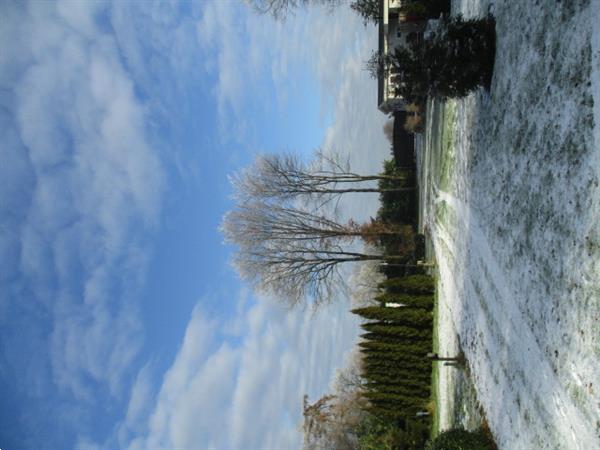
292, 253
364, 282
254, 222
330, 423
348, 379
287, 177
281, 9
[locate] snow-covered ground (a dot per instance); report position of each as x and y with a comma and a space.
514, 211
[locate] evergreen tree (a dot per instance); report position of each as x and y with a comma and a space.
405, 363
402, 316
412, 347
408, 300
411, 379
424, 335
399, 331
400, 389
452, 61
412, 284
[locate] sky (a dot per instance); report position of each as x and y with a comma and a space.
123, 323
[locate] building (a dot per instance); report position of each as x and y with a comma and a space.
395, 27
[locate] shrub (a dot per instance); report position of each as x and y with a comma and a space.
459, 439
386, 434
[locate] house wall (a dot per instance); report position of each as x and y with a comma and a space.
395, 34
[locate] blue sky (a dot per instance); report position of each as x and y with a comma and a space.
123, 324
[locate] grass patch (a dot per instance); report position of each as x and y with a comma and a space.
447, 157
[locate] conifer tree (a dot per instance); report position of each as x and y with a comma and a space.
411, 284
412, 379
425, 335
452, 61
412, 392
402, 316
401, 300
412, 347
394, 330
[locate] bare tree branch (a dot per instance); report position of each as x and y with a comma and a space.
292, 253
286, 177
281, 9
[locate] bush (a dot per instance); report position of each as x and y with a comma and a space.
460, 439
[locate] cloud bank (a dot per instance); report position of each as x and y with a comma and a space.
81, 188
82, 185
246, 394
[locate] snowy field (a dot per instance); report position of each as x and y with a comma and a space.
513, 209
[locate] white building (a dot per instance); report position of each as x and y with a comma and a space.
394, 29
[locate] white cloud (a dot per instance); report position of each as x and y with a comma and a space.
247, 395
84, 187
257, 58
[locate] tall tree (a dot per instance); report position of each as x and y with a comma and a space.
293, 253
281, 9
402, 316
330, 423
286, 177
453, 60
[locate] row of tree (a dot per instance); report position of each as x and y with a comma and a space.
387, 382
390, 380
398, 338
289, 241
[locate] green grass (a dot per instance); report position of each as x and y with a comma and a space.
441, 176
435, 423
447, 146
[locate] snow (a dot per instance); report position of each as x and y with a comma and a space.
513, 209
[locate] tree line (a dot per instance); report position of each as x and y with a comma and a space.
290, 243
